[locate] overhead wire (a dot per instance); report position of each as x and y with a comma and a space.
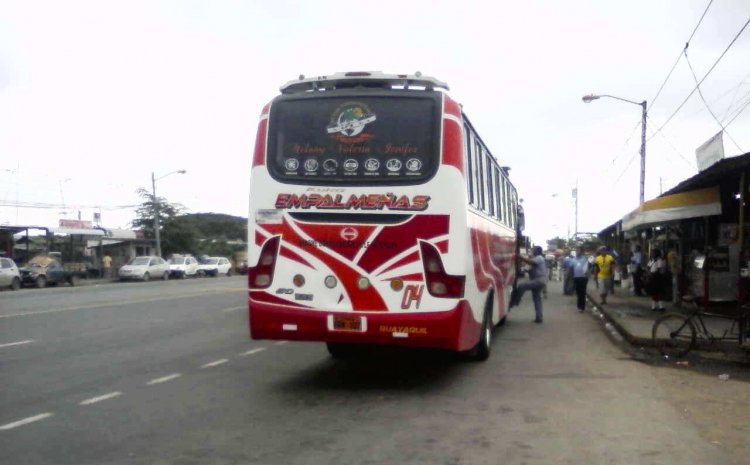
702, 79
679, 56
708, 107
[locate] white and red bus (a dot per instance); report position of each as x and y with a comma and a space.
378, 216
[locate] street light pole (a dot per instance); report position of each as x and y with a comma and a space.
156, 207
643, 105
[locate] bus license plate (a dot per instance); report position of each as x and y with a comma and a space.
347, 323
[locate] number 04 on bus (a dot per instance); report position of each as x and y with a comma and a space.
378, 216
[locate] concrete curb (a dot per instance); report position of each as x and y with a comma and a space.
637, 341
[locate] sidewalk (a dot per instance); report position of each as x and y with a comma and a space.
633, 318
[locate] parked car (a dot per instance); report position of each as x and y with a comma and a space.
215, 266
182, 266
10, 276
144, 268
44, 270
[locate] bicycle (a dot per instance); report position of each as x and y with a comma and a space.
675, 334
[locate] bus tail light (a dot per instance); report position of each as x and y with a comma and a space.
439, 283
261, 275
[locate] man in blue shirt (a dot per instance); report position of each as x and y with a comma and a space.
581, 271
536, 282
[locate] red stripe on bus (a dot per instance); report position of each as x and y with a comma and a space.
395, 240
259, 156
287, 253
366, 300
345, 240
409, 259
451, 107
452, 145
409, 277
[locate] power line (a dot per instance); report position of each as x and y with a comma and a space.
700, 92
738, 112
703, 79
679, 56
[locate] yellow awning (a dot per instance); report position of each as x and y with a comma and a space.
692, 204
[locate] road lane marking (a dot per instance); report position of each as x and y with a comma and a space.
234, 309
10, 344
94, 400
121, 303
25, 421
281, 343
213, 364
253, 351
163, 379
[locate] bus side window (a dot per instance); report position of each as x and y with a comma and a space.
480, 176
500, 211
470, 167
490, 186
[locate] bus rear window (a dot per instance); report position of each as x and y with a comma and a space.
354, 140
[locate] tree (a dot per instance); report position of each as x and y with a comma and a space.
176, 234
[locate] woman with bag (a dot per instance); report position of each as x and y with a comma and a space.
654, 281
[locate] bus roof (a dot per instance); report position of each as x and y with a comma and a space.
363, 79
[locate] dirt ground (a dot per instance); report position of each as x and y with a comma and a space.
719, 409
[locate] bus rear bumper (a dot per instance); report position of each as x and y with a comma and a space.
455, 329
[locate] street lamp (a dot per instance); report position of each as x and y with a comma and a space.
592, 97
156, 207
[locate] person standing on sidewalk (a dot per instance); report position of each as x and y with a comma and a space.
655, 283
580, 266
535, 284
605, 267
636, 264
107, 265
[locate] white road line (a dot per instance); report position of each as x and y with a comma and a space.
251, 352
25, 421
281, 343
163, 379
124, 302
94, 400
9, 344
213, 364
234, 309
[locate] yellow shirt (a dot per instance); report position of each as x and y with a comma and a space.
605, 264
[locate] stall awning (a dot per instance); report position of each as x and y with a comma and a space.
77, 231
692, 204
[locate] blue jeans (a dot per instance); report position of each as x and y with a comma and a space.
536, 294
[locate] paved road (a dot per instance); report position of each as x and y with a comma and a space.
164, 373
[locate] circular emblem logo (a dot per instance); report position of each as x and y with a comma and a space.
372, 164
311, 164
291, 164
350, 119
351, 165
349, 234
414, 164
393, 164
330, 165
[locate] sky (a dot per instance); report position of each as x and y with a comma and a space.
95, 96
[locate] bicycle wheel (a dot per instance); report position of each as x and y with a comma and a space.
673, 335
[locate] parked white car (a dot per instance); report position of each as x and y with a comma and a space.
144, 268
182, 266
215, 266
9, 274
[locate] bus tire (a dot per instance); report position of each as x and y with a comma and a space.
339, 350
481, 352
